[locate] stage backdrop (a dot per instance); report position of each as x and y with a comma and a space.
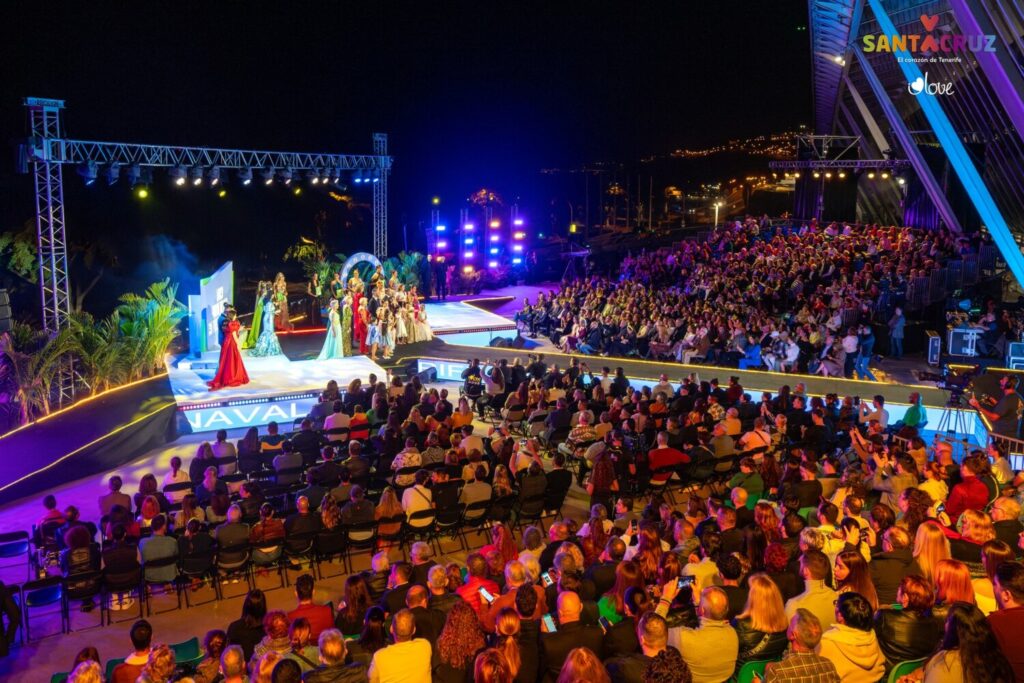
205, 308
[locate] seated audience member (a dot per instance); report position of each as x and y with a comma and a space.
357, 510
968, 649
267, 536
889, 567
802, 663
159, 546
851, 643
710, 650
570, 633
515, 576
761, 626
333, 669
305, 520
652, 634
272, 442
458, 644
320, 617
114, 497
909, 631
232, 665
817, 596
1007, 622
393, 599
141, 635
208, 669
476, 578
407, 659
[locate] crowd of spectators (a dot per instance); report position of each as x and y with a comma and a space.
812, 537
752, 297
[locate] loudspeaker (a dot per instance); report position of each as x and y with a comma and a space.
501, 343
427, 376
5, 312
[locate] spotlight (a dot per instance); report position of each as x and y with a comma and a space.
222, 193
519, 235
285, 174
516, 261
871, 175
786, 174
468, 254
88, 172
467, 269
113, 172
298, 190
468, 227
441, 228
885, 175
435, 201
495, 223
494, 250
196, 173
142, 192
816, 174
358, 179
268, 175
132, 174
517, 222
245, 175
828, 174
442, 244
213, 175
796, 174
842, 174
495, 237
313, 177
492, 264
336, 175
469, 240
325, 176
177, 174
901, 180
376, 176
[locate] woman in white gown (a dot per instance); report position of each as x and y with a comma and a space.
423, 332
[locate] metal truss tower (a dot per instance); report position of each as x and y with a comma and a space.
380, 198
45, 125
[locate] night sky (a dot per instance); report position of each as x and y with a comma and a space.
471, 94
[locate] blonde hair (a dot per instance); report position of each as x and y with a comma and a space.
764, 607
930, 547
507, 627
266, 667
86, 672
977, 526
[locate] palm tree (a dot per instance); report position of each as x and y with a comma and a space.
105, 357
149, 323
35, 371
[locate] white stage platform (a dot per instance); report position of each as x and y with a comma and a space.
278, 390
450, 317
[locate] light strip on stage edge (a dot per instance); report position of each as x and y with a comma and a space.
81, 448
82, 402
956, 152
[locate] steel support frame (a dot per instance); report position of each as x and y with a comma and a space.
380, 198
957, 154
909, 145
825, 164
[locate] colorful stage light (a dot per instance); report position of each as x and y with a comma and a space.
441, 228
142, 193
516, 261
467, 269
468, 254
442, 244
495, 223
468, 240
519, 235
495, 238
468, 227
494, 250
517, 222
492, 264
517, 247
88, 171
435, 201
224, 193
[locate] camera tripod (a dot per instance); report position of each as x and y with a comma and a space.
952, 427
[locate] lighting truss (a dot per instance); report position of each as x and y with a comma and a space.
825, 164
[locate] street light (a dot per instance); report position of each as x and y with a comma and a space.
718, 205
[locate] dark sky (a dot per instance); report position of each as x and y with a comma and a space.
472, 94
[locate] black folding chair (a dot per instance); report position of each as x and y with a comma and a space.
360, 538
231, 561
529, 511
148, 585
420, 526
330, 544
474, 518
42, 593
16, 545
299, 548
122, 583
85, 586
198, 568
448, 522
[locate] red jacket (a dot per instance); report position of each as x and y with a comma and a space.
469, 591
664, 457
970, 494
319, 616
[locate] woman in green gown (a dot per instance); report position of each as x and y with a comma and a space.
346, 325
257, 317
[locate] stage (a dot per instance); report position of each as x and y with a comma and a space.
281, 388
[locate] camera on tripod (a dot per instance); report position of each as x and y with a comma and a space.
957, 384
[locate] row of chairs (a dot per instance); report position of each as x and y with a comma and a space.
187, 655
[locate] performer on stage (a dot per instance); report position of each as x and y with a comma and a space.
362, 323
314, 300
372, 334
423, 331
333, 343
257, 316
222, 323
336, 288
267, 344
230, 369
280, 299
346, 325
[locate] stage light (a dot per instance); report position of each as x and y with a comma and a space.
142, 193
517, 247
196, 174
495, 238
245, 175
572, 228
285, 175
88, 172
786, 174
267, 175
468, 227
441, 228
494, 250
828, 174
222, 193
495, 223
467, 269
519, 235
435, 201
517, 222
313, 177
113, 173
298, 190
842, 174
336, 175
132, 174
885, 175
516, 261
213, 175
492, 264
177, 174
469, 240
816, 174
442, 244
901, 180
375, 176
871, 175
469, 254
358, 179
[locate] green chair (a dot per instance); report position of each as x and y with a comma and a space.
747, 671
807, 512
58, 678
904, 668
111, 665
187, 650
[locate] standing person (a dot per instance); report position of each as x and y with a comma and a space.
230, 369
373, 337
361, 324
896, 324
314, 299
346, 325
267, 343
867, 350
280, 298
262, 290
1005, 416
333, 342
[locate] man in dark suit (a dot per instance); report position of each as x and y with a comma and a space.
732, 538
307, 443
559, 479
302, 521
652, 632
429, 621
620, 639
603, 572
393, 599
570, 634
327, 473
529, 632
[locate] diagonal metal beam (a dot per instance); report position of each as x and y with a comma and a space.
869, 119
909, 145
956, 152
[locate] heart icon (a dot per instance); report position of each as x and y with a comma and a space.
916, 87
930, 22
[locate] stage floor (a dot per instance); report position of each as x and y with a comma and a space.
448, 317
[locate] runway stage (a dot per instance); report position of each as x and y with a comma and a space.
281, 388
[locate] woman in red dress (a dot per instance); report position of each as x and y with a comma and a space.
230, 370
361, 326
